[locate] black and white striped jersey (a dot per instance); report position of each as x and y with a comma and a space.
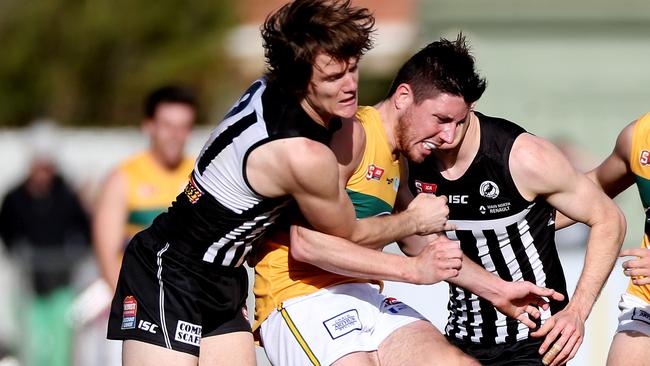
219, 216
498, 229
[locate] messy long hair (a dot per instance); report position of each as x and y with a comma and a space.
296, 33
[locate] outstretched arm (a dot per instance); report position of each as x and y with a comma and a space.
579, 199
436, 262
519, 300
108, 224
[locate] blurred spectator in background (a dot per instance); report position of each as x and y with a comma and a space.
46, 231
144, 185
133, 194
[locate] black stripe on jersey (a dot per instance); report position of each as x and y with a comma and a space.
454, 307
221, 254
224, 139
504, 273
468, 245
488, 312
520, 253
496, 256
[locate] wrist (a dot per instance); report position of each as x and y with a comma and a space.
410, 272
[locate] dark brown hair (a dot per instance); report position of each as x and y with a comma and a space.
296, 33
441, 67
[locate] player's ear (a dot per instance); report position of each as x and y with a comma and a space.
403, 96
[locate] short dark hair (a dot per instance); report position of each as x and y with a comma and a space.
298, 31
441, 67
168, 94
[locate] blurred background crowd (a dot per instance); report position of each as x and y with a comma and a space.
75, 75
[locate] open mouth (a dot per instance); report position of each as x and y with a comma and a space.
429, 145
349, 100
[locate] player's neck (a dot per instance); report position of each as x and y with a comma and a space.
165, 164
322, 119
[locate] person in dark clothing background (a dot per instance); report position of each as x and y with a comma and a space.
46, 231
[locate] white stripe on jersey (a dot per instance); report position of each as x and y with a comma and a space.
223, 178
499, 228
490, 224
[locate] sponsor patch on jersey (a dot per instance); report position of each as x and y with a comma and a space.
641, 315
188, 333
129, 311
644, 157
393, 305
423, 187
192, 192
499, 208
374, 172
343, 323
489, 189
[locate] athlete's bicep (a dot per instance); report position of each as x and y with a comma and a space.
309, 173
540, 169
323, 202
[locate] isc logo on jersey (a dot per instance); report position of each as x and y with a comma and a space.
644, 157
147, 326
458, 199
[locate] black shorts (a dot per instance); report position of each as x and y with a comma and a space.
522, 353
166, 299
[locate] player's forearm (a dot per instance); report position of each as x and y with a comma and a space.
376, 232
413, 245
476, 279
343, 257
604, 244
109, 268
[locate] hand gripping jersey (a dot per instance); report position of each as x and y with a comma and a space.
640, 166
219, 216
498, 229
150, 188
372, 188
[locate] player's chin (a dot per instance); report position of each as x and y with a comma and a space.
418, 156
347, 109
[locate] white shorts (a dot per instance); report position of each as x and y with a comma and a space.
322, 327
635, 315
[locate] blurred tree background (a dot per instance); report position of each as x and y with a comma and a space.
87, 63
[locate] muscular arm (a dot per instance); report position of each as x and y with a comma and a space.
424, 215
108, 225
579, 199
345, 257
435, 262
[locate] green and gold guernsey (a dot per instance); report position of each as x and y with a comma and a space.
150, 189
373, 190
640, 166
373, 186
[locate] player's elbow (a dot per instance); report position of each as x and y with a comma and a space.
615, 223
301, 248
622, 225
